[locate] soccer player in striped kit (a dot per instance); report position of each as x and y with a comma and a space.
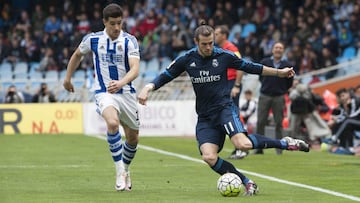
116, 60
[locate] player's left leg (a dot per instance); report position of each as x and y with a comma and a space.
209, 153
129, 151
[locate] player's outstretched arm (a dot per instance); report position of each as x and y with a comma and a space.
74, 62
144, 93
282, 73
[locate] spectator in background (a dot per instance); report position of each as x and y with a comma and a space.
48, 62
345, 120
308, 61
357, 91
304, 112
83, 24
44, 95
165, 49
272, 94
13, 96
328, 59
345, 37
52, 24
66, 25
16, 53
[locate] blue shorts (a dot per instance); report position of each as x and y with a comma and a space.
212, 129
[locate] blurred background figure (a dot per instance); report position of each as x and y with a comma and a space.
43, 95
13, 96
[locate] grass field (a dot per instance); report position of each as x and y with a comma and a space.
76, 168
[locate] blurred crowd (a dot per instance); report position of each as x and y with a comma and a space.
315, 31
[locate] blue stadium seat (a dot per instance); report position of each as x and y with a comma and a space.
6, 70
52, 75
35, 75
349, 53
21, 76
20, 67
153, 65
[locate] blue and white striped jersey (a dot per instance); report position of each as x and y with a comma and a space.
110, 57
208, 76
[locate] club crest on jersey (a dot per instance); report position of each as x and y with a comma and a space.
215, 63
119, 48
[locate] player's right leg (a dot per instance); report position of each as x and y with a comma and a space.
110, 115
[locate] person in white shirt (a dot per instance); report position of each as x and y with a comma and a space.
116, 60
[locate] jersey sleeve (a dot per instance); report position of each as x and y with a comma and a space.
171, 72
85, 46
133, 48
245, 65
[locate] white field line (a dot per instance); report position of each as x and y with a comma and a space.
330, 192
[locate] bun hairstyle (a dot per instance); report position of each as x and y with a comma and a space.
203, 29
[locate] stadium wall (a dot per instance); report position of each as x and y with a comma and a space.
157, 118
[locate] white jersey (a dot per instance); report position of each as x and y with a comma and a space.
110, 57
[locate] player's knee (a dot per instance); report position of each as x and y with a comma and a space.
210, 158
245, 145
113, 125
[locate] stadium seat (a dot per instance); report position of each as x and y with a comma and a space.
21, 67
165, 63
349, 53
153, 65
6, 70
51, 75
21, 76
62, 74
36, 75
80, 74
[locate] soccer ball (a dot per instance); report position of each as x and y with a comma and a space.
229, 185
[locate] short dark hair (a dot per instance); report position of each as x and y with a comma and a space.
112, 10
204, 30
224, 29
340, 91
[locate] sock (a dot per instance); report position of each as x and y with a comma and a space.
115, 146
221, 167
128, 154
263, 142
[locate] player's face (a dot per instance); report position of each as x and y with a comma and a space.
205, 45
219, 37
113, 27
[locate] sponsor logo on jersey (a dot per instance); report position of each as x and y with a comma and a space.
205, 77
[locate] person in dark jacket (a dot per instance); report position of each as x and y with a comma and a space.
272, 92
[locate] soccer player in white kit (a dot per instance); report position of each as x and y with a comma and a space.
116, 60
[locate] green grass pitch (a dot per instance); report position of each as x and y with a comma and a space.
77, 168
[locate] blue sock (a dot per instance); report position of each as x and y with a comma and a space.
263, 142
128, 154
115, 145
221, 167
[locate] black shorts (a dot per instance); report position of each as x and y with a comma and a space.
212, 129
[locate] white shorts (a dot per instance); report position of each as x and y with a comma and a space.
125, 104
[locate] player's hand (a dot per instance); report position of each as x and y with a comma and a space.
114, 86
286, 72
144, 93
68, 85
234, 92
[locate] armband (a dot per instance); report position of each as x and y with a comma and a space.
237, 85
